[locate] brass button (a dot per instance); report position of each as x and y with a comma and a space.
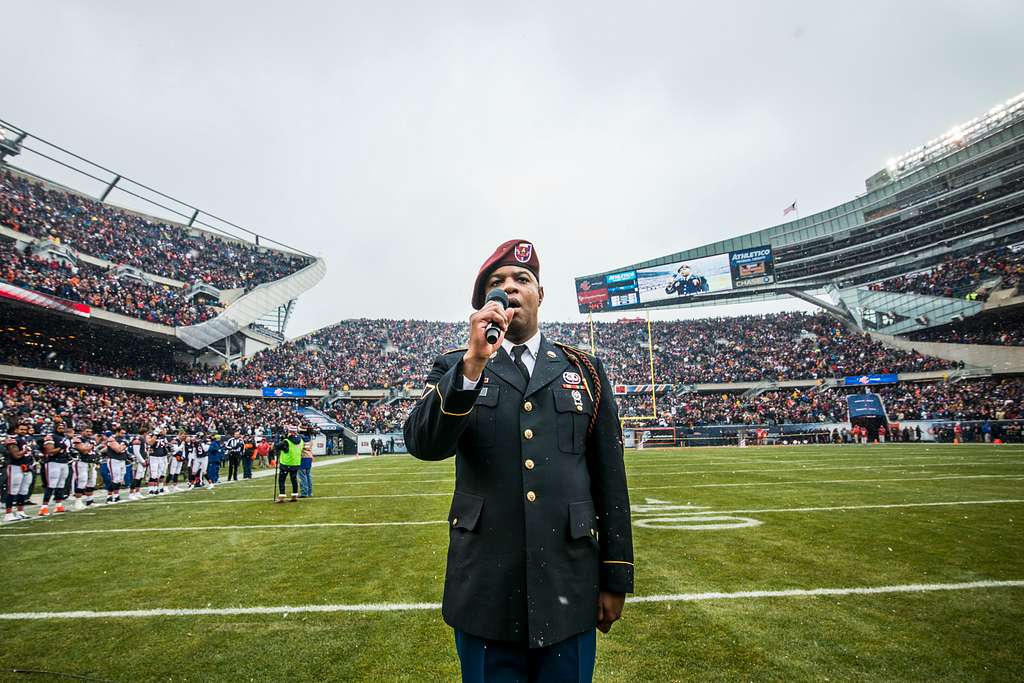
455, 520
531, 496
527, 406
529, 464
579, 408
528, 434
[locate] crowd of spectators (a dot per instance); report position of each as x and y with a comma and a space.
124, 237
49, 407
387, 353
962, 277
101, 288
368, 417
981, 399
1000, 328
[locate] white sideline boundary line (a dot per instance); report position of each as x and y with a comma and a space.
239, 527
643, 515
432, 606
343, 480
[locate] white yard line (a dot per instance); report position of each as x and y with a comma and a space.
432, 606
672, 514
241, 527
829, 508
827, 481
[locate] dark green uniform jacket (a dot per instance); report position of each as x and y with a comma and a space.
539, 521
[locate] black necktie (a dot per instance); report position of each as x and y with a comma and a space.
517, 358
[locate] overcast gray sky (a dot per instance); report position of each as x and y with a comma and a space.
404, 141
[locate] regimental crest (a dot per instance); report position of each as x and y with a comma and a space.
524, 252
571, 377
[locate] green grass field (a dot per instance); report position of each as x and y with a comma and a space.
906, 517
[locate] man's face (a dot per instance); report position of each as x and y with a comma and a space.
524, 294
21, 430
684, 271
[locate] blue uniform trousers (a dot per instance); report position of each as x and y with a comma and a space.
247, 466
306, 477
491, 661
213, 471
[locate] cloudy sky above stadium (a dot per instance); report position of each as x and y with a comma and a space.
403, 141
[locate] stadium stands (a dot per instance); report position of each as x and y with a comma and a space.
1002, 328
962, 277
384, 353
101, 288
48, 407
123, 237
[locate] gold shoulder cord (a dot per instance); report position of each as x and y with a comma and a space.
579, 359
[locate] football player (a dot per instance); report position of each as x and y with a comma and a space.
177, 461
55, 474
19, 472
117, 455
156, 447
84, 464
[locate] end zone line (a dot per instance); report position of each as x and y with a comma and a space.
419, 606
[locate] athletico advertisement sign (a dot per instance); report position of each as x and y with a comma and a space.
283, 392
668, 283
54, 303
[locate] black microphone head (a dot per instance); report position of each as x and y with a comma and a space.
498, 295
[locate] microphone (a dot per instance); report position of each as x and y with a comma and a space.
493, 331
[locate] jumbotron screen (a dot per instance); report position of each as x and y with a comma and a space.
661, 285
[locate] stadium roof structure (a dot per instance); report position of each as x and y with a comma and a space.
958, 194
258, 315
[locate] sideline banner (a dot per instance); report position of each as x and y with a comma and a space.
865, 380
283, 392
54, 303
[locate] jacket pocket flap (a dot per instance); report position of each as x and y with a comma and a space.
465, 511
582, 520
566, 402
488, 396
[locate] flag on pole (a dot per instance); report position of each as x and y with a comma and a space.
789, 209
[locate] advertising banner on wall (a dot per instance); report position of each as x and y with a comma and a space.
283, 392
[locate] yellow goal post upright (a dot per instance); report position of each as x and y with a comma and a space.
650, 361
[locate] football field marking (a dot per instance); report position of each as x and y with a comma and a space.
321, 525
432, 606
799, 482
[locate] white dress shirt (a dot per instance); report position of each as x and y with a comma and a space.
529, 358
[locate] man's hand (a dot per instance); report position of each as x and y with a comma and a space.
479, 351
609, 609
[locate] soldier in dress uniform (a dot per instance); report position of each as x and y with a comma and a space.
540, 547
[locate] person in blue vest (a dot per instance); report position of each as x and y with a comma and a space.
215, 455
540, 547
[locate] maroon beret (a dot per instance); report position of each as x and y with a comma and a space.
512, 253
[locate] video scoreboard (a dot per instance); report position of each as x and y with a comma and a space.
665, 284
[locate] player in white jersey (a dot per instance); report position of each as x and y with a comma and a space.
139, 461
157, 450
19, 456
116, 454
84, 464
201, 461
176, 462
